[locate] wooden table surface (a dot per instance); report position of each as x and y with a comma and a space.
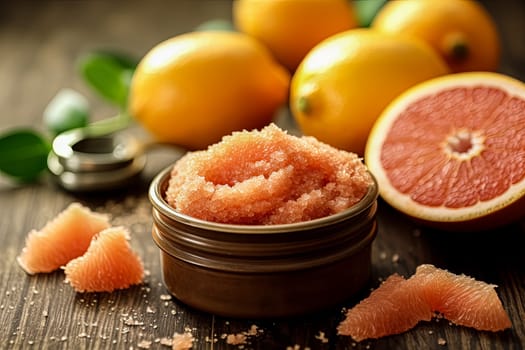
39, 42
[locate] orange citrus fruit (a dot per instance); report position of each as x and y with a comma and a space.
108, 264
346, 81
290, 28
398, 304
195, 88
462, 31
450, 152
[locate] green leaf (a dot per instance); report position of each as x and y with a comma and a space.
216, 24
67, 110
23, 154
109, 74
366, 10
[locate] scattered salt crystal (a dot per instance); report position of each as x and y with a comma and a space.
253, 330
182, 341
211, 340
295, 347
144, 344
63, 338
150, 310
395, 258
321, 337
132, 322
236, 339
442, 342
166, 341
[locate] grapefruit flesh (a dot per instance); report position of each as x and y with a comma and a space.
451, 151
62, 239
461, 299
393, 308
399, 304
108, 264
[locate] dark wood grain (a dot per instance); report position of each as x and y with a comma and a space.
39, 43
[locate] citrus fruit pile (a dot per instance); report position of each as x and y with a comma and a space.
337, 78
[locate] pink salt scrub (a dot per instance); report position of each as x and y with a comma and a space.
266, 177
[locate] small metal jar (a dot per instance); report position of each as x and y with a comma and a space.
262, 271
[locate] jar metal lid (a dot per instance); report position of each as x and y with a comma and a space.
82, 161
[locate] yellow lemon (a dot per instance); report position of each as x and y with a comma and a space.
346, 81
461, 31
195, 88
290, 28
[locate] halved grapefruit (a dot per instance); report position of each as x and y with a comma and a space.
108, 264
65, 237
450, 152
399, 304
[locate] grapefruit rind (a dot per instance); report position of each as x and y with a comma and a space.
399, 304
478, 216
65, 237
109, 264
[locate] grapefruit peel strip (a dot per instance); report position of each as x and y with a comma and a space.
398, 304
402, 201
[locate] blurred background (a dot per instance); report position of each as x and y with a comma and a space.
40, 41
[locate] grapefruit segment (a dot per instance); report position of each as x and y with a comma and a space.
461, 299
450, 152
399, 304
62, 239
108, 264
393, 308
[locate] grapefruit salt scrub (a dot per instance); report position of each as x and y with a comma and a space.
253, 220
266, 177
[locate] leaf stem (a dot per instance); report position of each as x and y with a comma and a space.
109, 125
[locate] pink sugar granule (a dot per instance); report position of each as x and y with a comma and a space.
266, 177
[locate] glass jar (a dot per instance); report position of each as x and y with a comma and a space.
261, 271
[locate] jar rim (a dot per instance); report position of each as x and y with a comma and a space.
159, 185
